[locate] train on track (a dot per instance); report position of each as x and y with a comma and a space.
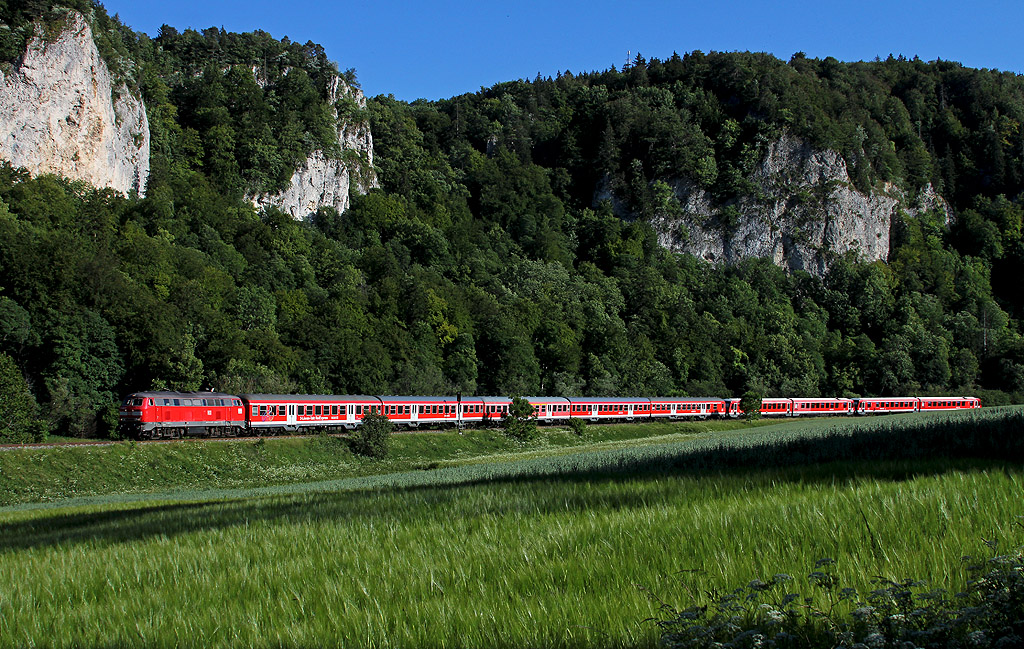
171, 415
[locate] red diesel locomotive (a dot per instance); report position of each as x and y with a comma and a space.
178, 414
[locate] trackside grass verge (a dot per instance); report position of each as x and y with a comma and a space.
50, 474
239, 469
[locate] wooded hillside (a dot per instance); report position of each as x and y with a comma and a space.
484, 264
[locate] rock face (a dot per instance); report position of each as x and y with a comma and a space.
60, 114
325, 182
803, 213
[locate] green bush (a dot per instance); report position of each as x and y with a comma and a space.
750, 404
578, 426
18, 410
373, 437
520, 424
895, 614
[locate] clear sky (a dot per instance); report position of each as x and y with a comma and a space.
441, 49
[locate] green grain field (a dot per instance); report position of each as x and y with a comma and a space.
561, 549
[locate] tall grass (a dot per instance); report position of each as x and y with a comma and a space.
544, 562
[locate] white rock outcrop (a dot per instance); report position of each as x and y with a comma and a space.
803, 213
325, 182
60, 114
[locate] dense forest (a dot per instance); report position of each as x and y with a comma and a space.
484, 264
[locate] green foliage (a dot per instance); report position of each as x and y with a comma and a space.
578, 426
894, 613
520, 422
322, 442
18, 409
373, 436
750, 404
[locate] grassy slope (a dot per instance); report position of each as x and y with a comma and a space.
557, 551
34, 475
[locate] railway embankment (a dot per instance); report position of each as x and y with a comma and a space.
45, 474
42, 475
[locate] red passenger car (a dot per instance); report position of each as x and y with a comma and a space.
413, 412
886, 405
932, 404
803, 406
608, 408
271, 414
549, 409
484, 411
769, 408
672, 408
169, 415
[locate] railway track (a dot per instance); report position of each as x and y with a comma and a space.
111, 442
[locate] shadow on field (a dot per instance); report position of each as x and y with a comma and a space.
895, 451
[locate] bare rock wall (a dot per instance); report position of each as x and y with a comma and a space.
61, 114
803, 213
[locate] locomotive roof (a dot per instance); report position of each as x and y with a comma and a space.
168, 394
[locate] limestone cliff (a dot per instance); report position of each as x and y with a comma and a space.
802, 213
61, 114
326, 182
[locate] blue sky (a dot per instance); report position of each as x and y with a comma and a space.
441, 49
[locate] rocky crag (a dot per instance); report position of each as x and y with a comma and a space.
61, 114
802, 213
323, 181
